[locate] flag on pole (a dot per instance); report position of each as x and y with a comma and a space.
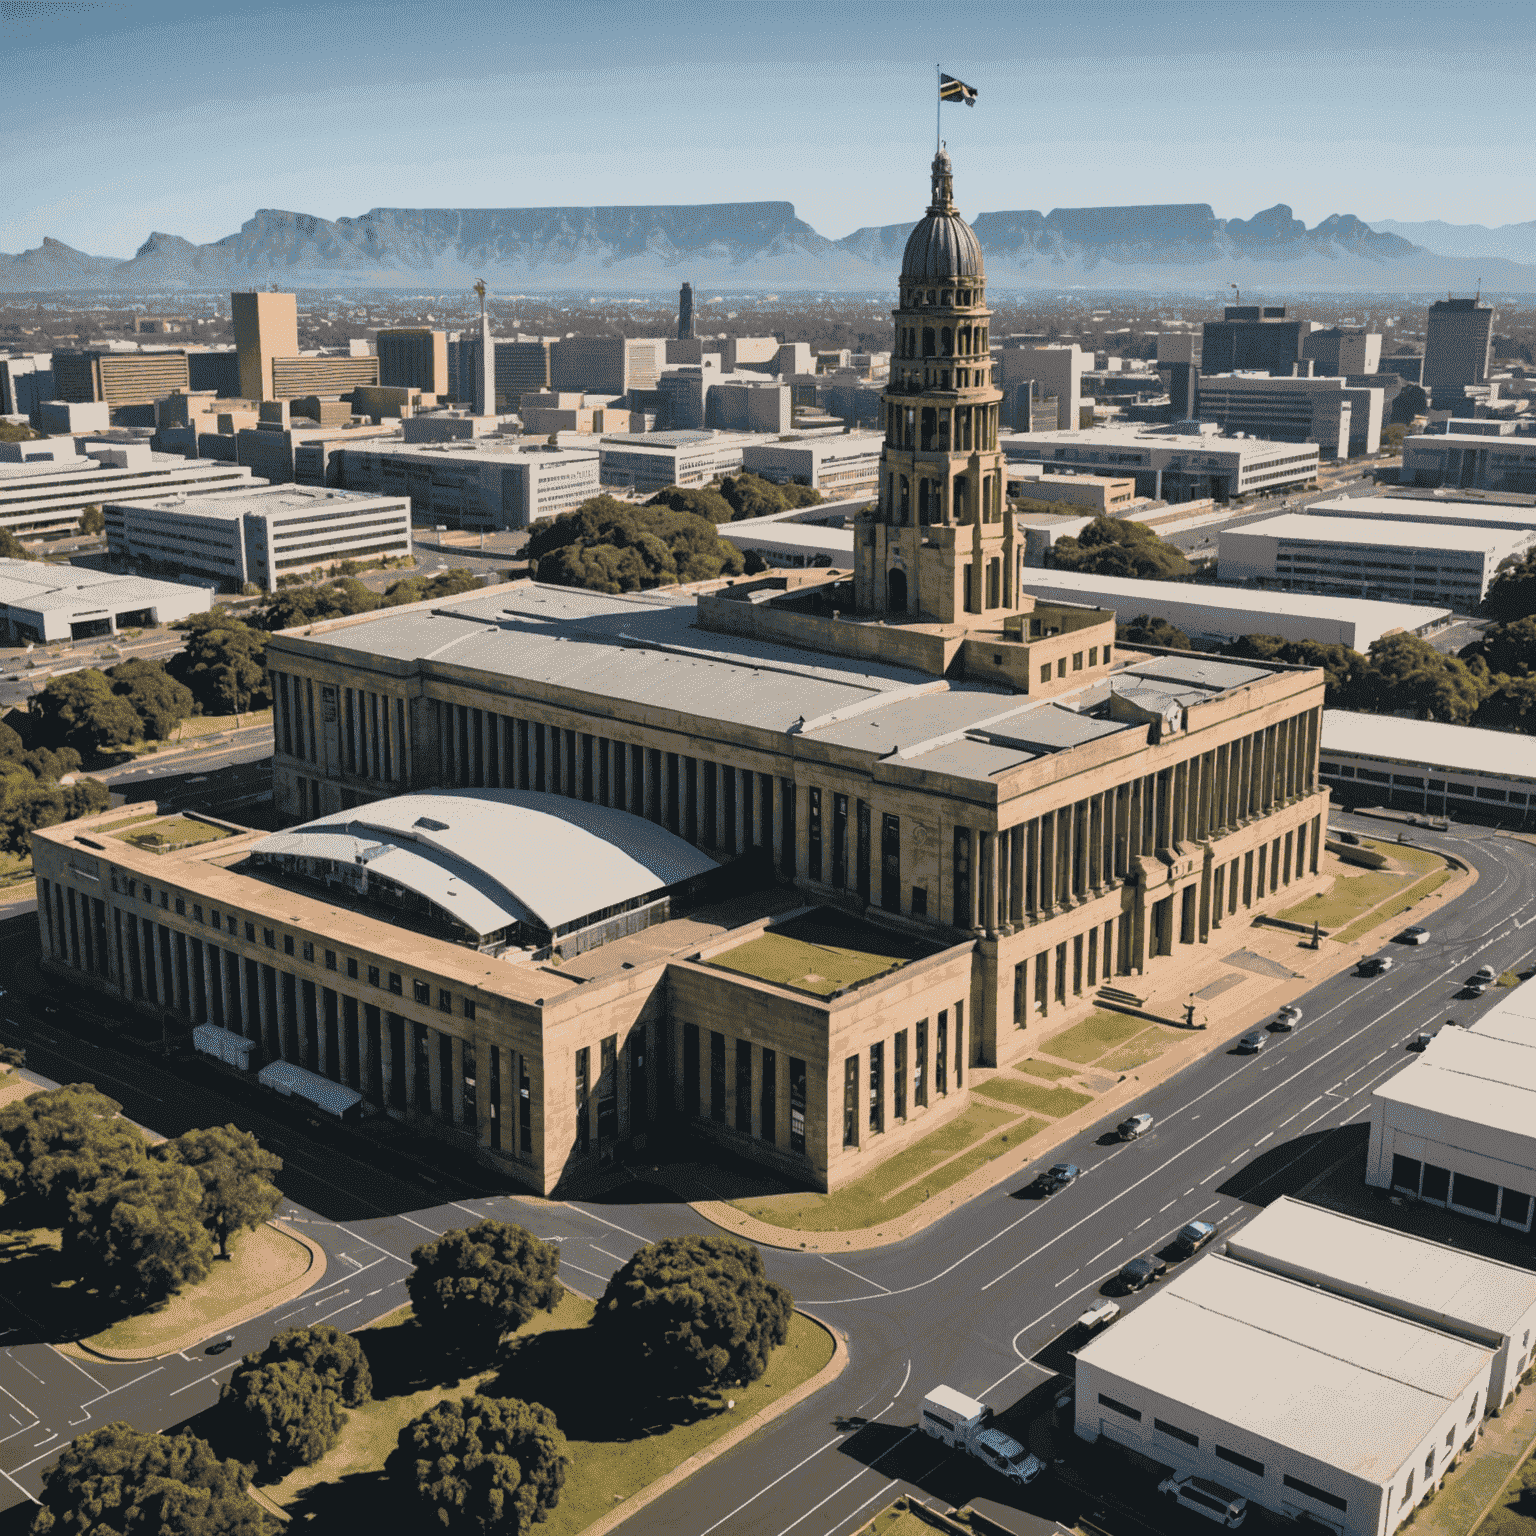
951, 89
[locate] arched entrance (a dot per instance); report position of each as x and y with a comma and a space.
896, 590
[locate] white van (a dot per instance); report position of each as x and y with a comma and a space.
955, 1419
1206, 1498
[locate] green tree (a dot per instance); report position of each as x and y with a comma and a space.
702, 500
64, 1140
160, 702
137, 1237
1410, 401
1510, 707
1116, 546
1143, 630
280, 1415
1392, 436
121, 1481
26, 804
1407, 673
223, 663
337, 599
1346, 672
607, 546
92, 520
481, 1464
1509, 648
11, 548
1512, 592
687, 1314
80, 710
475, 1284
421, 589
236, 1174
335, 1357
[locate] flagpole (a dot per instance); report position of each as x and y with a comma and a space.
938, 108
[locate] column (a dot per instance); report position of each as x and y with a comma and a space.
280, 999
388, 1062
1016, 868
647, 780
455, 1105
987, 877
1080, 848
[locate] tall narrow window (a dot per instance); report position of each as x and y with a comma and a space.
961, 879
524, 1107
608, 1089
583, 1089
840, 841
796, 1105
639, 1078
744, 1087
877, 1086
899, 1075
959, 1045
813, 834
941, 1053
768, 1097
920, 1063
851, 1102
862, 855
890, 863
691, 1071
717, 1077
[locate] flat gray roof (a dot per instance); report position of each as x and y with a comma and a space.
1481, 1079
269, 499
1378, 531
1425, 510
1430, 744
40, 588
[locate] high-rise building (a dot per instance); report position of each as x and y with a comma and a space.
1252, 338
522, 368
685, 312
266, 327
414, 358
1458, 341
1342, 350
119, 378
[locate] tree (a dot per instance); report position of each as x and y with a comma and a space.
121, 1481
64, 1140
1512, 592
1346, 672
477, 1283
422, 589
138, 1237
80, 710
335, 1357
1410, 401
689, 1313
1407, 673
1115, 546
223, 663
92, 520
607, 546
702, 500
1509, 648
1143, 630
236, 1174
160, 702
481, 1464
281, 1415
11, 548
1510, 707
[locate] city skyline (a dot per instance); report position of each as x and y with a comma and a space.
1079, 106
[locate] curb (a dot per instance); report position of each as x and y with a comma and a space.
295, 1288
684, 1470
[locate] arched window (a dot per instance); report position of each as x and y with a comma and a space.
911, 426
969, 415
947, 342
930, 296
929, 423
896, 590
928, 350
949, 298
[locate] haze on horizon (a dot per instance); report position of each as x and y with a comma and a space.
135, 115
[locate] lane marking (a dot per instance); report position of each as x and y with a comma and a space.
862, 1279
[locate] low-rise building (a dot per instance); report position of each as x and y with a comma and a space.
41, 603
1113, 495
1471, 460
841, 466
480, 483
1444, 507
257, 535
1442, 564
784, 540
738, 405
1427, 766
648, 463
1342, 420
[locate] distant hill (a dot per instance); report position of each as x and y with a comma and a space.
1513, 242
1159, 247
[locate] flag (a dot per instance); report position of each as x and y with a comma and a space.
951, 89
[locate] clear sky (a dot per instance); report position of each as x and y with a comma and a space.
126, 116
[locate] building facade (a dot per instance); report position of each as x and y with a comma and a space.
414, 358
119, 378
1341, 420
1499, 461
1458, 343
266, 328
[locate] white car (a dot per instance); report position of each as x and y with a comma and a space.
1485, 973
1098, 1317
1413, 936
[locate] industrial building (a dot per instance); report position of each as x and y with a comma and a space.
1342, 420
40, 604
1440, 564
1111, 495
480, 483
1172, 465
45, 499
1427, 766
259, 534
1215, 615
650, 462
1501, 459
841, 465
785, 540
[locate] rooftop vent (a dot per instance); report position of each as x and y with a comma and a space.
430, 824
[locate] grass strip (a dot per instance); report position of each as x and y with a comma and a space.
1415, 893
1349, 897
1140, 1051
1098, 1033
178, 832
1054, 1102
1049, 1070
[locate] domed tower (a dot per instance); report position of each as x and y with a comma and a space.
939, 545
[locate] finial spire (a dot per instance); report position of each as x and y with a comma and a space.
943, 182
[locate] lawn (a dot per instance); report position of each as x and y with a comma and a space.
1350, 896
820, 954
618, 1446
1051, 1071
1400, 903
896, 1520
1046, 1101
1150, 1043
177, 832
261, 1263
1098, 1033
1515, 1513
982, 1132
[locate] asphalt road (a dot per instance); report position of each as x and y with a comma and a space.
982, 1301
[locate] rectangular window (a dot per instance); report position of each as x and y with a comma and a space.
1077, 661
862, 851
920, 1063
373, 975
469, 1009
840, 841
330, 959
608, 1089
744, 1087
890, 863
444, 1000
717, 1077
250, 933
1093, 655
197, 917
959, 1043
421, 991
1045, 672
309, 950
1237, 1459
181, 911
583, 1091
1061, 667
1018, 993
813, 833
691, 1071
919, 901
1406, 1172
1115, 1406
1164, 1427
395, 984
877, 1086
961, 878
1312, 1491
352, 967
768, 1097
941, 1054
213, 914
851, 1102
287, 943
899, 1075
269, 938
1475, 1195
796, 1105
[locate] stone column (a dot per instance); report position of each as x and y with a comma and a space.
388, 1062
1016, 865
988, 876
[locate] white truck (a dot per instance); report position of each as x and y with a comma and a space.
954, 1419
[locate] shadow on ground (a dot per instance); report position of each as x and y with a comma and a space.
1288, 1167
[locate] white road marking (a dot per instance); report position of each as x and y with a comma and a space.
862, 1279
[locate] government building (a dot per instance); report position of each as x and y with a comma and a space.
780, 862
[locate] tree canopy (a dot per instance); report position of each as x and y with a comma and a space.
690, 1313
80, 711
1116, 546
92, 520
1509, 647
236, 1174
11, 548
343, 596
280, 1415
608, 546
121, 1481
481, 1464
702, 500
335, 1357
750, 495
475, 1284
223, 663
160, 702
64, 1140
1143, 630
1512, 592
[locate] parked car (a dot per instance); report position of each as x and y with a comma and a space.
954, 1419
1058, 1176
1375, 965
1193, 1236
1413, 936
1420, 1042
1140, 1273
1474, 989
1100, 1316
1485, 974
1206, 1498
1287, 1019
1136, 1125
1253, 1043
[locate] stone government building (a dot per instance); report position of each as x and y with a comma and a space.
782, 861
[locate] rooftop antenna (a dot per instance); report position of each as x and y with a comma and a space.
1238, 291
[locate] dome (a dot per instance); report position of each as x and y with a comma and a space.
943, 246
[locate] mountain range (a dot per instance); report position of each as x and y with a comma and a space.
1514, 242
1158, 247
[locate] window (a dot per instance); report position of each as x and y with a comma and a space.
269, 938
1115, 1406
717, 1077
352, 967
330, 959
1093, 655
814, 834
1077, 661
1045, 672
373, 975
1237, 1459
919, 901
877, 1086
395, 984
469, 1009
287, 943
899, 1076
768, 1097
444, 1000
961, 878
197, 912
1107, 650
309, 950
890, 863
422, 991
1405, 1173
250, 933
840, 841
797, 1098
1475, 1195
744, 1087
1312, 1491
920, 1063
583, 1089
608, 1089
214, 918
1164, 1427
941, 1054
229, 922
165, 899
1061, 667
181, 906
1408, 1488
851, 1102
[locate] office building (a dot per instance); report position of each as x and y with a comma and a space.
216, 369
254, 536
1442, 564
1252, 338
685, 312
65, 417
1178, 347
1333, 1412
119, 379
650, 462
485, 483
841, 466
25, 382
788, 541
522, 367
44, 499
1111, 495
1339, 350
284, 454
295, 377
1468, 459
605, 365
266, 328
1442, 508
1408, 366
414, 358
763, 406
551, 411
1053, 371
1171, 465
43, 603
1458, 344
759, 352
1341, 420
1430, 767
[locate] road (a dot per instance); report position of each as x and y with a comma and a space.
981, 1300
1201, 542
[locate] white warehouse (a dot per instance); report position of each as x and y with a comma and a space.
42, 603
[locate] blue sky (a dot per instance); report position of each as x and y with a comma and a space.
126, 116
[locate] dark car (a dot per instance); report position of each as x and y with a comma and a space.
1348, 838
1140, 1273
1375, 965
1192, 1237
1058, 1176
